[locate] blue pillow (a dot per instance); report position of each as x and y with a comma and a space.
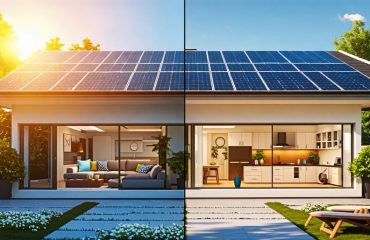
83, 165
102, 165
145, 168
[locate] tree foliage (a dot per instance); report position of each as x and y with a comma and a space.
87, 45
356, 41
5, 125
366, 127
9, 58
54, 44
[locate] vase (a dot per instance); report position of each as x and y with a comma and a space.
6, 189
261, 162
367, 187
237, 182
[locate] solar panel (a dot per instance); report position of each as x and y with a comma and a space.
266, 57
309, 57
95, 57
152, 57
46, 67
195, 57
217, 67
215, 57
235, 57
113, 57
321, 81
196, 67
170, 81
247, 81
349, 80
199, 81
275, 67
148, 67
241, 67
174, 57
221, 81
52, 57
130, 57
77, 57
44, 81
99, 81
287, 81
69, 81
86, 67
16, 80
142, 81
324, 67
172, 67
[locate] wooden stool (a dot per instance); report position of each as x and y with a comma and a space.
207, 173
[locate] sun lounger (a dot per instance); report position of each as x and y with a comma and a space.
333, 220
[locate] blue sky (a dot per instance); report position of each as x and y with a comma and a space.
211, 24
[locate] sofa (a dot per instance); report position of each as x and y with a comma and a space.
155, 178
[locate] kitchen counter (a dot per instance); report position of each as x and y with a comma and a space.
295, 165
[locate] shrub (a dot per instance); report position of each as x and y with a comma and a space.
360, 167
314, 207
11, 165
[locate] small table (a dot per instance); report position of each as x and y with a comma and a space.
84, 183
207, 173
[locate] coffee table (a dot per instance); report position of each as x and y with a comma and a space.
84, 183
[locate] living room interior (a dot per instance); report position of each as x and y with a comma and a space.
272, 156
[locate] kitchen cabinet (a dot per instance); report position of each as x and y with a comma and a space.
311, 175
240, 139
302, 174
257, 174
335, 176
261, 140
305, 140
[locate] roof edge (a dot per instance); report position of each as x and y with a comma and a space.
354, 57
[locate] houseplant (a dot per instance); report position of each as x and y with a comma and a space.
214, 155
259, 156
360, 167
177, 164
162, 147
313, 158
11, 169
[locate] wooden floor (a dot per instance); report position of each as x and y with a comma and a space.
230, 184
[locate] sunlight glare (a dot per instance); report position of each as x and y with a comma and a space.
27, 43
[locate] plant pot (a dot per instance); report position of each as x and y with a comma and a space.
237, 182
367, 187
6, 189
180, 183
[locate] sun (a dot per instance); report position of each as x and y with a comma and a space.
27, 43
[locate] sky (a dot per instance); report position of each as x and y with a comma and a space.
159, 24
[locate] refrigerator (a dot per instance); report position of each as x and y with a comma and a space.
239, 156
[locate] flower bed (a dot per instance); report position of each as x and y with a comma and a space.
28, 220
142, 232
312, 207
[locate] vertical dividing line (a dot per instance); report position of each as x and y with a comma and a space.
272, 156
119, 157
185, 170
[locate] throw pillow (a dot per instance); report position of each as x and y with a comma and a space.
83, 165
138, 167
145, 168
93, 166
102, 165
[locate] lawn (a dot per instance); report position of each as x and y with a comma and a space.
54, 224
299, 218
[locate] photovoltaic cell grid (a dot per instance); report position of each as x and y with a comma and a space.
205, 71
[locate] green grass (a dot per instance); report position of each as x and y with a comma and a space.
53, 225
299, 218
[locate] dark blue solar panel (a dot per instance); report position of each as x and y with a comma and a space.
287, 81
241, 67
172, 67
221, 81
310, 57
215, 57
152, 57
324, 67
321, 81
218, 67
170, 81
199, 81
130, 57
142, 81
196, 57
247, 81
147, 67
100, 81
197, 67
266, 57
174, 57
275, 67
235, 57
113, 56
349, 80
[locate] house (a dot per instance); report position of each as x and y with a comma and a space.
287, 123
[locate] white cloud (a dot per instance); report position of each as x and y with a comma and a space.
352, 17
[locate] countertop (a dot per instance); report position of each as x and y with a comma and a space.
291, 165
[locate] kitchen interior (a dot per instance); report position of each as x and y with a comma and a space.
269, 156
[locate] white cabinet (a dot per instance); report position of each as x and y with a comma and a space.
278, 174
302, 174
311, 175
240, 139
289, 175
261, 140
257, 174
335, 176
310, 140
305, 140
246, 139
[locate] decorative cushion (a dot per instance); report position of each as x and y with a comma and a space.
93, 166
145, 168
155, 170
138, 167
102, 165
83, 165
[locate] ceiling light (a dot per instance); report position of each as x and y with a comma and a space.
6, 109
86, 128
209, 126
142, 130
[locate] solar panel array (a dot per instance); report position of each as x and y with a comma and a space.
226, 71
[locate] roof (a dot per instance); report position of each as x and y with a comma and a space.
208, 72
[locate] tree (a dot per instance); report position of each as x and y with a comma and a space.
9, 58
366, 127
54, 44
87, 45
5, 125
356, 41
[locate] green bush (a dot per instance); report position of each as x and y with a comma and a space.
360, 167
11, 165
177, 162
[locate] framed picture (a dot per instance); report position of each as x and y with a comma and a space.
67, 143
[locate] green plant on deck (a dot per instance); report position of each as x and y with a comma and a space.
11, 165
313, 158
360, 166
177, 162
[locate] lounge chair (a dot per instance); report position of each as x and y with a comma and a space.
333, 220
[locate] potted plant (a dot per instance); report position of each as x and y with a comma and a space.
259, 156
214, 155
162, 147
177, 165
11, 169
313, 158
360, 167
